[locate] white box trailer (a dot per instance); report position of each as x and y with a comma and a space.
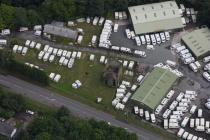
38, 27
189, 137
158, 109
132, 35
15, 47
125, 63
138, 41
19, 49
127, 96
5, 32
32, 45
140, 53
153, 118
116, 26
92, 57
124, 14
180, 96
148, 39
193, 67
200, 113
102, 59
193, 109
46, 56
101, 21
158, 39
174, 125
95, 20
46, 47
150, 47
60, 52
192, 123
153, 39
52, 58
165, 123
3, 42
116, 15
57, 78
143, 40
61, 60
94, 39
136, 110
173, 105
202, 122
120, 15
116, 48
179, 49
71, 63
115, 101
170, 94
27, 43
206, 59
180, 132
50, 50
38, 46
141, 112
80, 38
185, 51
185, 121
74, 54
128, 33
147, 116
185, 135
65, 62
52, 76
24, 51
200, 128
131, 65
41, 54
55, 51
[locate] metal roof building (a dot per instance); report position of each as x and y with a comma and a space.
60, 31
198, 41
156, 17
154, 88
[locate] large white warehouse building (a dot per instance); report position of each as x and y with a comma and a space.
156, 17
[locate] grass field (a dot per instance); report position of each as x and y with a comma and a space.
89, 31
88, 72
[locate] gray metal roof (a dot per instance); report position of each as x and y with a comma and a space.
60, 31
198, 41
156, 17
6, 129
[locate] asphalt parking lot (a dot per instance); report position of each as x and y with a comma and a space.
160, 54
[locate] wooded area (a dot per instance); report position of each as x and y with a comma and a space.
16, 13
61, 125
8, 63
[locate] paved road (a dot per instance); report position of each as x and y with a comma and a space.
53, 99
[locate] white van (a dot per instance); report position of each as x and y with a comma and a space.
180, 132
170, 94
143, 41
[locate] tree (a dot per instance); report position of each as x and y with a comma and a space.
20, 19
120, 5
7, 13
43, 136
95, 8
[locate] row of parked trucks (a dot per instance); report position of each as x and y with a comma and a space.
20, 49
122, 15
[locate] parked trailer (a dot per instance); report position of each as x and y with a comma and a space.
192, 123
193, 109
153, 119
185, 135
171, 63
165, 123
147, 116
174, 125
185, 121
180, 132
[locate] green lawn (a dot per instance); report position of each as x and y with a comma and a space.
89, 31
88, 72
